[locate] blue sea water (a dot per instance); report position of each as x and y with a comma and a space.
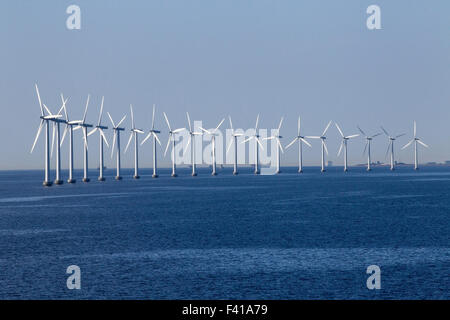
289, 236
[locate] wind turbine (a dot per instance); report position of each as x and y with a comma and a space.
324, 146
45, 121
234, 140
134, 133
153, 133
300, 140
172, 134
213, 135
257, 141
344, 145
367, 146
102, 138
84, 126
277, 137
192, 135
416, 141
391, 146
117, 129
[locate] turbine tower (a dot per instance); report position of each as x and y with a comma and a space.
416, 141
69, 128
116, 137
391, 146
102, 138
84, 126
300, 140
56, 130
213, 134
257, 142
234, 136
172, 134
153, 133
367, 146
192, 135
277, 137
45, 120
134, 133
344, 145
324, 146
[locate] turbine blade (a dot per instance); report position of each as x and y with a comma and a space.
313, 137
339, 129
425, 145
147, 137
230, 144
92, 131
360, 130
101, 112
204, 130
291, 143
326, 129
217, 128
385, 132
112, 121
85, 139
178, 130
86, 109
47, 109
168, 144
279, 144
189, 121
248, 139
231, 124
279, 126
353, 136
39, 98
325, 146
129, 141
259, 142
365, 147
104, 137
132, 117
187, 144
414, 128
376, 135
408, 144
156, 137
122, 120
41, 125
340, 149
167, 121
257, 121
153, 117
306, 142
387, 151
114, 143
398, 136
64, 135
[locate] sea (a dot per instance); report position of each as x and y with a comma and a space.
285, 236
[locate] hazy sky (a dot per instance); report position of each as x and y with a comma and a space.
216, 58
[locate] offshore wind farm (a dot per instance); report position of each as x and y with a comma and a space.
224, 150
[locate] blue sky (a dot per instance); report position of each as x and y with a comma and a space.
217, 58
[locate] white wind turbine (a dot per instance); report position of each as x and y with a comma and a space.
69, 128
324, 146
192, 135
213, 133
172, 134
45, 121
277, 137
84, 126
257, 142
300, 140
416, 141
368, 146
153, 133
116, 141
344, 146
234, 137
99, 127
391, 146
134, 133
